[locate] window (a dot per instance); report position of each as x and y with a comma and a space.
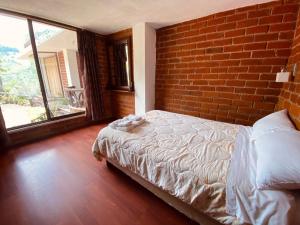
39, 76
119, 54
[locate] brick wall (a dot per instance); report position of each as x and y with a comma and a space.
122, 101
290, 94
62, 69
223, 66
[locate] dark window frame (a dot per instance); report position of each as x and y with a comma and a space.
31, 19
111, 44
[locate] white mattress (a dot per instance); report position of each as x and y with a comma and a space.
189, 158
186, 156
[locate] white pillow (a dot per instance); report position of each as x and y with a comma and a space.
278, 160
275, 121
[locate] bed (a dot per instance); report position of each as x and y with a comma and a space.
202, 168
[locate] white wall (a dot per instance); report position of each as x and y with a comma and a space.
144, 60
70, 58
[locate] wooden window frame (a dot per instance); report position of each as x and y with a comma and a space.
130, 87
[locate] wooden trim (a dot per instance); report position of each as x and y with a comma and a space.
41, 123
123, 34
45, 130
38, 125
39, 19
110, 43
122, 91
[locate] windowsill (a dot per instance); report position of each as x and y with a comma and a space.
122, 91
27, 128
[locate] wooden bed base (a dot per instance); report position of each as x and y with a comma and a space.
166, 197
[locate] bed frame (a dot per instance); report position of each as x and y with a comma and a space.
182, 207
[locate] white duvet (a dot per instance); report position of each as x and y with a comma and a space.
189, 158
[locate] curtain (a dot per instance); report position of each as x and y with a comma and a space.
89, 66
3, 133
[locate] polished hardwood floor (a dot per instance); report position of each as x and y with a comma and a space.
58, 181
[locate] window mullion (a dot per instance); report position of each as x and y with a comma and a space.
38, 68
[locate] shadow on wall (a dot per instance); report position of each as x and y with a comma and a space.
290, 94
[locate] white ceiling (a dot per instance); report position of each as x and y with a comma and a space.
108, 16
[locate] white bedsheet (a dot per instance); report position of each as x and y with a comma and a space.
189, 158
250, 205
186, 156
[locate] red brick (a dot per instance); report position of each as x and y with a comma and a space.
285, 9
214, 36
235, 33
216, 21
289, 18
266, 37
216, 83
236, 83
282, 27
247, 23
220, 56
223, 42
183, 28
240, 55
260, 69
227, 26
263, 54
245, 90
275, 61
241, 40
233, 48
255, 46
271, 19
251, 62
263, 105
223, 14
214, 50
288, 35
236, 17
257, 29
248, 76
279, 44
208, 29
256, 84
237, 69
283, 52
259, 13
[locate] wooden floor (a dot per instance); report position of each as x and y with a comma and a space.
58, 181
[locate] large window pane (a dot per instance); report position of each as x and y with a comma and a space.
58, 53
20, 93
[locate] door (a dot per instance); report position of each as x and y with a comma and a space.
53, 76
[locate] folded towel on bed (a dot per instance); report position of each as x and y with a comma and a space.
133, 117
127, 123
123, 123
